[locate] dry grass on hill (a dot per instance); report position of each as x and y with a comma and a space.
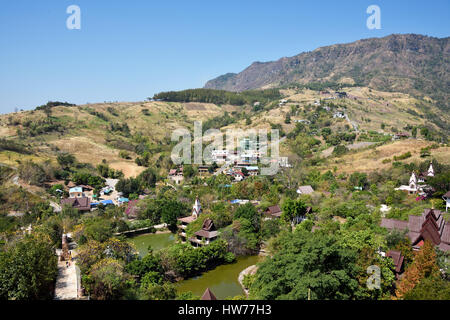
372, 159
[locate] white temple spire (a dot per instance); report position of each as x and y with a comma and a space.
197, 208
431, 170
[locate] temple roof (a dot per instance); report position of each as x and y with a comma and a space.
208, 295
398, 259
428, 226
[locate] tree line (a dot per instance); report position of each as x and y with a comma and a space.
219, 96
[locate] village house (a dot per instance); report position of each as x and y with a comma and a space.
205, 235
122, 201
81, 203
76, 192
401, 135
203, 169
252, 170
305, 190
273, 212
184, 222
238, 176
219, 156
428, 226
339, 114
176, 175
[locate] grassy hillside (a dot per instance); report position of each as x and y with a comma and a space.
120, 133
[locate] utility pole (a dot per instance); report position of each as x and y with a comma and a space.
309, 294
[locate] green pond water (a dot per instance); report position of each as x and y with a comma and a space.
156, 240
222, 281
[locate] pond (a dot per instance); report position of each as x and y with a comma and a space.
156, 240
222, 281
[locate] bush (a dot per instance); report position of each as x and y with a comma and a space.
403, 156
32, 173
124, 155
340, 150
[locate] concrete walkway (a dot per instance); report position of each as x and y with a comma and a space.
66, 282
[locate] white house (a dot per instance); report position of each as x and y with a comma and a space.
238, 176
76, 192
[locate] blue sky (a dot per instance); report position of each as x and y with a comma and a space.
129, 50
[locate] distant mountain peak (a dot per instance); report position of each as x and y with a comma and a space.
410, 63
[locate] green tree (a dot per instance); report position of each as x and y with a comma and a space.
148, 178
171, 210
287, 120
65, 160
107, 280
307, 262
28, 270
440, 182
293, 209
188, 171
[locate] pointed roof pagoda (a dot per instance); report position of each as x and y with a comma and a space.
413, 178
431, 170
208, 295
197, 208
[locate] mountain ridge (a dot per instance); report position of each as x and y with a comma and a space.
409, 63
